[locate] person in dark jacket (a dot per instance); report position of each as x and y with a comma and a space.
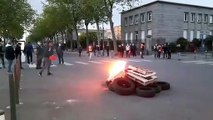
48, 51
9, 55
39, 55
28, 51
79, 50
2, 55
18, 53
60, 52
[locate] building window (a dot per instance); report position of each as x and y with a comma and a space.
126, 36
191, 35
143, 36
131, 20
211, 32
149, 32
192, 17
142, 17
211, 19
204, 36
199, 18
126, 21
198, 34
186, 17
136, 35
149, 16
131, 36
205, 19
136, 19
185, 34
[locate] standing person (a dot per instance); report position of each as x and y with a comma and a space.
127, 51
155, 50
134, 48
142, 50
18, 53
122, 50
28, 51
48, 51
90, 50
60, 52
107, 50
9, 55
79, 50
2, 54
39, 55
169, 52
165, 51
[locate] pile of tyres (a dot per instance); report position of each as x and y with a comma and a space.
126, 86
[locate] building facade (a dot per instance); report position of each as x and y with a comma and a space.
162, 21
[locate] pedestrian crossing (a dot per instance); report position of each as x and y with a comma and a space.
198, 62
97, 62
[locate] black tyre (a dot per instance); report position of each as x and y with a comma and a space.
156, 87
123, 86
147, 92
163, 85
110, 87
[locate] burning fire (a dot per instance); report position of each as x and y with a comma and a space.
117, 67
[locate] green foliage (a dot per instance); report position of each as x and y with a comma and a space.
196, 43
183, 43
92, 37
15, 17
208, 42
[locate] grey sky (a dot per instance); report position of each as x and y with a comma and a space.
37, 5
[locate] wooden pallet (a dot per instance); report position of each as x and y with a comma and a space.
141, 80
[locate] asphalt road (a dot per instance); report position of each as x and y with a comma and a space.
75, 91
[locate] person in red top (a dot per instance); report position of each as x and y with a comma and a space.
142, 50
90, 50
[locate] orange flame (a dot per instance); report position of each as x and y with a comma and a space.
117, 67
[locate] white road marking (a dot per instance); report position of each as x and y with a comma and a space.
199, 62
68, 64
83, 63
190, 61
32, 65
140, 60
95, 62
53, 65
71, 100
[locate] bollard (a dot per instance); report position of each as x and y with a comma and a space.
2, 116
12, 97
17, 74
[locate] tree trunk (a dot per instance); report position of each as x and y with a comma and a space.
70, 31
57, 38
113, 35
87, 34
98, 32
54, 39
76, 33
62, 36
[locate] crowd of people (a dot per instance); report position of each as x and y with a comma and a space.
128, 50
43, 53
46, 49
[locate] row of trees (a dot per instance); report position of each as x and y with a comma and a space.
15, 17
196, 44
64, 16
